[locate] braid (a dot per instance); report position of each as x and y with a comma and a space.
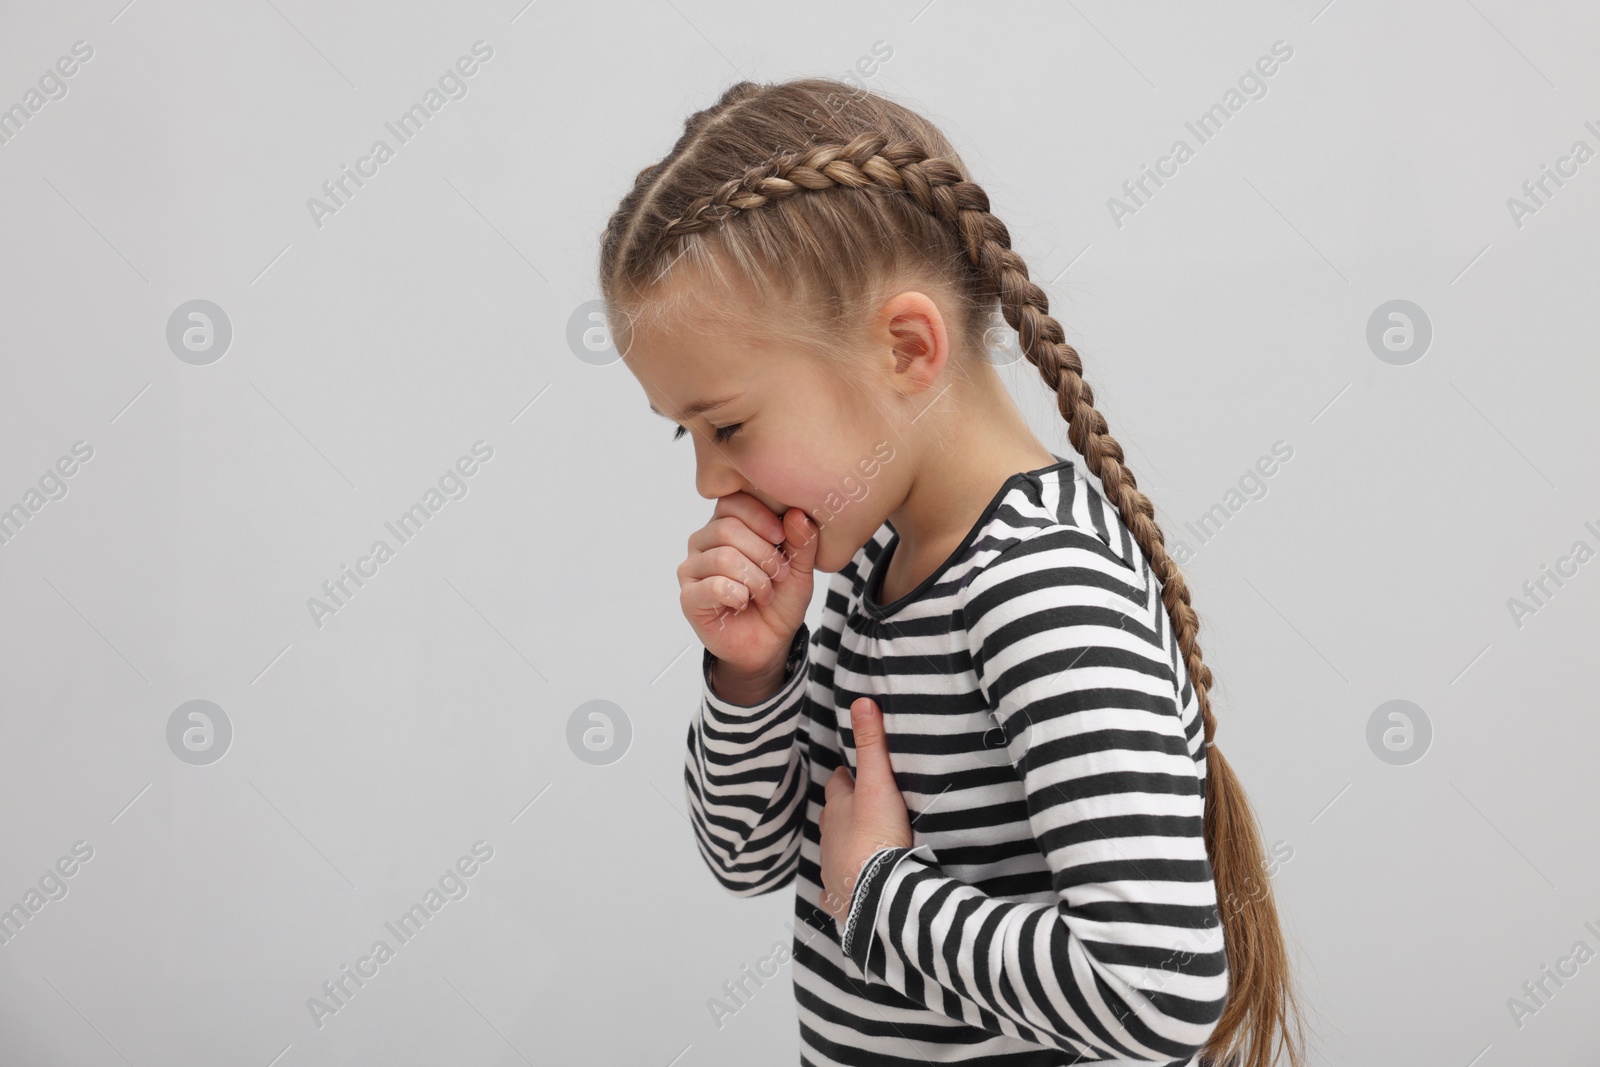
939, 187
666, 205
631, 212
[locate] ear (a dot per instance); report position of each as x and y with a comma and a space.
912, 332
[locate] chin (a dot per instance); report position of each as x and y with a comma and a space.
824, 544
838, 543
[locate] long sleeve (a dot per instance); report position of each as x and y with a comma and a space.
1127, 962
745, 776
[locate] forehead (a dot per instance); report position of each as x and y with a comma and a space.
684, 360
685, 349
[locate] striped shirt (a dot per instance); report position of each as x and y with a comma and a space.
1057, 905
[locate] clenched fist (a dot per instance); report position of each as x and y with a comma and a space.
746, 583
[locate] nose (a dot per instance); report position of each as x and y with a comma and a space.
714, 476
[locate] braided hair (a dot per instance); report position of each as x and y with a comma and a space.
818, 195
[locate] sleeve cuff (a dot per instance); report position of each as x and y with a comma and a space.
793, 678
856, 941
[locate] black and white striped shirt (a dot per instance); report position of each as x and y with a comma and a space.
1058, 905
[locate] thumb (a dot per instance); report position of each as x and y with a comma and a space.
873, 771
800, 534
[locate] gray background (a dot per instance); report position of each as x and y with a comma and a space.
433, 310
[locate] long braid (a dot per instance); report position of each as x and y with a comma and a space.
874, 161
937, 186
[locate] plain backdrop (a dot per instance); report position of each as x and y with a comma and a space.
1442, 850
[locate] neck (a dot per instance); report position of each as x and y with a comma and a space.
960, 465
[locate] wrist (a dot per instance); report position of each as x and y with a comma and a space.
867, 898
748, 687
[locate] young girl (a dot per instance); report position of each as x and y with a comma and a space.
990, 773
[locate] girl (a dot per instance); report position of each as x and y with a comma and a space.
990, 773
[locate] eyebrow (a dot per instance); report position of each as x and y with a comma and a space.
700, 407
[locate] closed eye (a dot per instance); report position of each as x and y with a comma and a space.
722, 436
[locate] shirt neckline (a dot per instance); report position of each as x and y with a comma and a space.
869, 595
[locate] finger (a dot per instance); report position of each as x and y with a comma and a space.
731, 563
735, 531
840, 784
755, 514
873, 769
713, 596
801, 535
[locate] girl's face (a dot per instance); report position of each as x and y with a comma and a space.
786, 432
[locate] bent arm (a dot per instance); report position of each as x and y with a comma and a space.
745, 775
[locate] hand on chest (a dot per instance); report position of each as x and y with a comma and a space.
941, 734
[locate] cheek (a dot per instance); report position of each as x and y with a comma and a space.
821, 474
789, 474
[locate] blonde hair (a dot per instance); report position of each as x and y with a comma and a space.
818, 198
